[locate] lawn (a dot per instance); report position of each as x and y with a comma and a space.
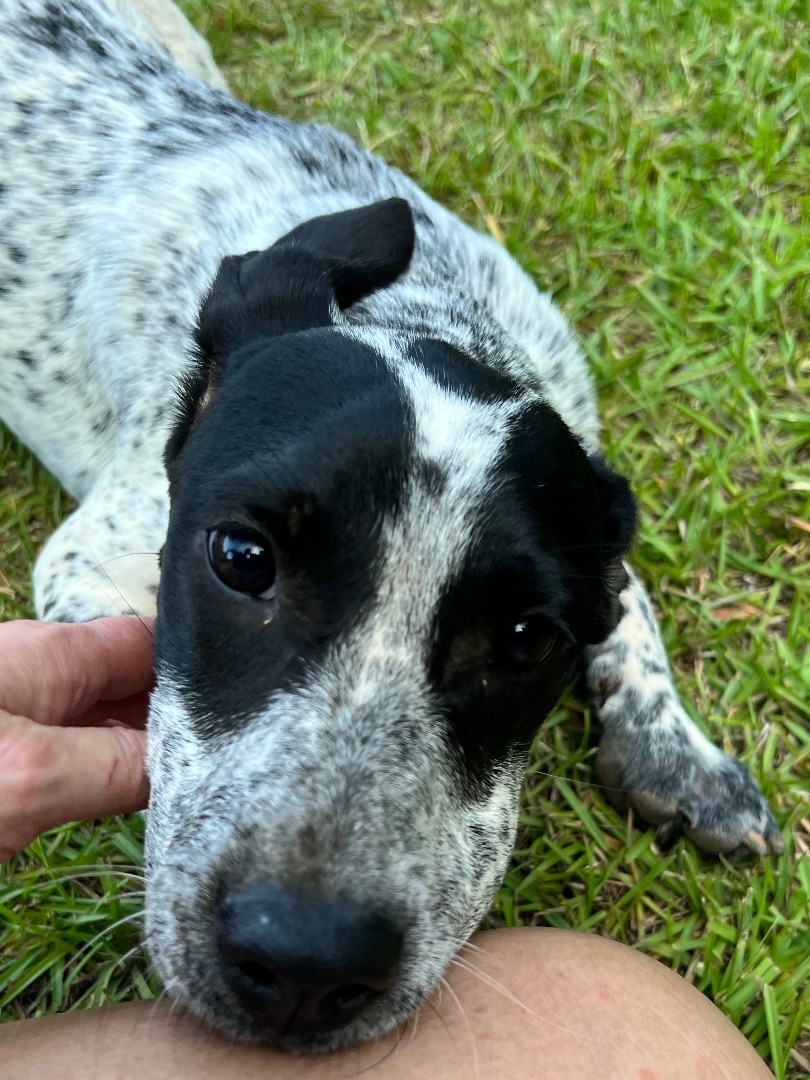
648, 163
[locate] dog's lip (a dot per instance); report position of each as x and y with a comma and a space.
312, 1038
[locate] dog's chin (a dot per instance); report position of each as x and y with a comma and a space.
227, 1018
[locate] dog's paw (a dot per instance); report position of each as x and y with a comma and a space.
78, 591
686, 786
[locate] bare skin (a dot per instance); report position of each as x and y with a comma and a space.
589, 1010
522, 1004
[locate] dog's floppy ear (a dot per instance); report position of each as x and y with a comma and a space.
619, 516
324, 265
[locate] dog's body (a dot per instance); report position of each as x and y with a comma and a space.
124, 182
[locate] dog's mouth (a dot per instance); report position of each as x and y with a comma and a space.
355, 1016
302, 1015
312, 1020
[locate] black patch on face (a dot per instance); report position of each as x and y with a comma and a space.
309, 442
545, 543
550, 537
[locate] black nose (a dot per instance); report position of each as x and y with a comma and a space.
302, 963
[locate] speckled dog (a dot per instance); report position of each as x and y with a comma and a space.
387, 537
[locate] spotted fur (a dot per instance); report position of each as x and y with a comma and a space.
124, 182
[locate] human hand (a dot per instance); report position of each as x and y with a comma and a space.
73, 701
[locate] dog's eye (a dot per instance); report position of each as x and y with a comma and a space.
529, 642
243, 560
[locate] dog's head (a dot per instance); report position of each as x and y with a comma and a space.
384, 560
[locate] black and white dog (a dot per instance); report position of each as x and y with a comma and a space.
387, 537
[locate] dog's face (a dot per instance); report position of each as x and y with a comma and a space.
383, 563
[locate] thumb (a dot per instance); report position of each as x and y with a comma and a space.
56, 775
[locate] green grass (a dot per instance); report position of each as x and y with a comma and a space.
648, 163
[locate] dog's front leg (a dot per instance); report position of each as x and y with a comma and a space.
652, 755
103, 559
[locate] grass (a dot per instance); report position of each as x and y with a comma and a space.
647, 162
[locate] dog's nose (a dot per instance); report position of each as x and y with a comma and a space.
301, 962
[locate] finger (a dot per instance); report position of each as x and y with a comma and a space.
54, 672
55, 775
131, 711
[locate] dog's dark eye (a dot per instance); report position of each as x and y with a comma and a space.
529, 642
243, 560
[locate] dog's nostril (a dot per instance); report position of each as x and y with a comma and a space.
344, 998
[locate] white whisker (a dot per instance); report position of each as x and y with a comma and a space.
128, 955
58, 873
415, 1026
454, 996
71, 969
487, 980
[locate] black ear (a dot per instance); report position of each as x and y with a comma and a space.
325, 264
619, 517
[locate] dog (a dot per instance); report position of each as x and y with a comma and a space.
366, 448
